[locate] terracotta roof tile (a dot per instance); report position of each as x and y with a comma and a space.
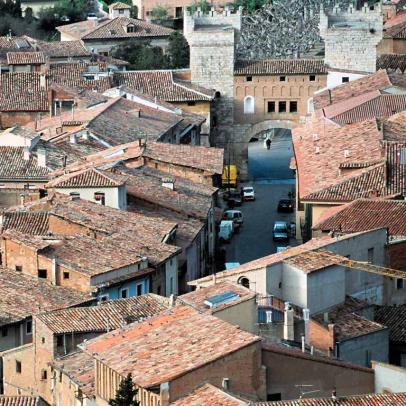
387, 399
34, 296
163, 85
104, 317
25, 58
209, 395
19, 400
63, 49
311, 261
397, 31
168, 345
119, 6
280, 67
35, 223
391, 62
393, 317
366, 214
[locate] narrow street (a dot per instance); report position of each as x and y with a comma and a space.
273, 180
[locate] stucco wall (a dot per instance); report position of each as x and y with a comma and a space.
389, 378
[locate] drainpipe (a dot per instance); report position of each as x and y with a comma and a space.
53, 271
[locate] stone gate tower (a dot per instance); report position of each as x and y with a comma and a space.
351, 37
212, 39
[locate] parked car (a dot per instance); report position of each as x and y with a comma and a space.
234, 199
226, 230
280, 231
235, 215
248, 193
285, 205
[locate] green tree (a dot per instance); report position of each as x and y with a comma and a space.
249, 6
203, 4
178, 51
141, 56
125, 395
159, 13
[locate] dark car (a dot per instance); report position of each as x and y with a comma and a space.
285, 205
234, 199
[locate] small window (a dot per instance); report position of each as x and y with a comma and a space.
282, 78
19, 268
293, 106
44, 374
100, 197
282, 107
274, 396
249, 78
244, 282
280, 285
124, 293
42, 273
271, 107
178, 12
66, 275
130, 28
104, 298
43, 340
399, 283
121, 11
60, 376
345, 79
18, 367
139, 289
370, 255
4, 332
59, 341
191, 103
74, 195
249, 105
28, 327
312, 78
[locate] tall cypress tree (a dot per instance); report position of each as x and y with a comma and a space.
125, 395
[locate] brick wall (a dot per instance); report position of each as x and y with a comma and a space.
12, 119
320, 337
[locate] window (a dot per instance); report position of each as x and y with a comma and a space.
280, 285
74, 195
121, 11
130, 28
282, 107
1, 259
274, 396
43, 340
66, 275
271, 107
249, 105
104, 298
100, 197
18, 367
42, 273
4, 332
399, 283
370, 255
312, 78
139, 289
28, 327
44, 374
249, 78
178, 12
60, 376
191, 103
244, 282
345, 79
282, 78
59, 341
19, 268
124, 293
293, 106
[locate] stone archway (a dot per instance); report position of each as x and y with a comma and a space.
243, 133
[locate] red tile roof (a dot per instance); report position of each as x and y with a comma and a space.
387, 399
168, 345
366, 214
119, 6
311, 261
280, 67
35, 223
397, 31
25, 58
209, 395
19, 400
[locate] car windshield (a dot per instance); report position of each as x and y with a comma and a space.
280, 227
248, 189
285, 201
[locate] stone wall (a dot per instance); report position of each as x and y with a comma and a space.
351, 37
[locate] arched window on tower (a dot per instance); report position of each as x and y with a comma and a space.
249, 105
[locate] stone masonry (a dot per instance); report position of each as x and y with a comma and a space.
351, 37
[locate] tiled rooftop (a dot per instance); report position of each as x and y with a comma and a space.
311, 261
386, 399
347, 323
63, 49
397, 31
162, 84
197, 298
391, 62
116, 28
280, 67
19, 400
119, 6
34, 296
25, 58
79, 367
367, 214
34, 223
208, 395
394, 317
168, 345
104, 317
22, 92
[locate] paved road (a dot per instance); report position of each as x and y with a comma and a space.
272, 180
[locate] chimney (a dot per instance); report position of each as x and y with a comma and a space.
42, 81
226, 384
172, 300
306, 318
288, 325
26, 154
331, 334
22, 199
53, 271
42, 157
72, 138
168, 183
164, 391
303, 344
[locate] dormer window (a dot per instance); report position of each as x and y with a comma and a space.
130, 28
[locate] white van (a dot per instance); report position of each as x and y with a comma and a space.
226, 230
234, 215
